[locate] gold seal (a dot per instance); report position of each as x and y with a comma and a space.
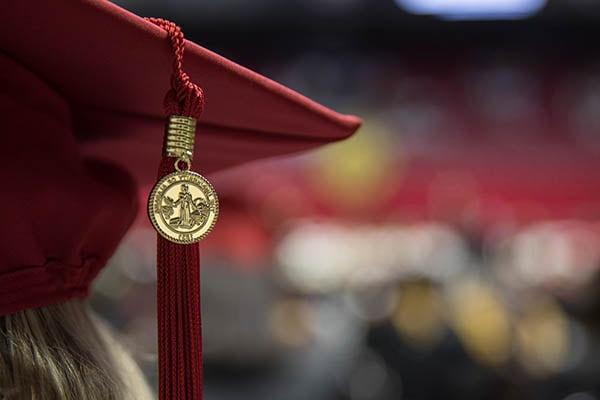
183, 207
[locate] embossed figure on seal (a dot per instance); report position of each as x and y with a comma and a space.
183, 207
188, 212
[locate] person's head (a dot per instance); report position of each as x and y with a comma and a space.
63, 352
81, 139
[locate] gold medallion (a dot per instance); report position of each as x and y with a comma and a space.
183, 207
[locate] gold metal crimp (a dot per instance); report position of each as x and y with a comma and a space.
181, 132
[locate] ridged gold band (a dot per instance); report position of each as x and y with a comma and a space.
181, 132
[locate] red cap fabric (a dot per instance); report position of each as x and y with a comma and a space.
62, 214
114, 67
81, 96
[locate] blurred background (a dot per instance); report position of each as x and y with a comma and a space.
450, 250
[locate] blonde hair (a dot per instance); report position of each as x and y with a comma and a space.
62, 352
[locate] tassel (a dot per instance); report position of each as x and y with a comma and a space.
182, 212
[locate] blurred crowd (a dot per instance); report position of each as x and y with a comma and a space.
450, 250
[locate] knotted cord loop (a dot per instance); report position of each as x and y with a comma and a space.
185, 97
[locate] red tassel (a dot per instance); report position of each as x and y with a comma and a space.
178, 265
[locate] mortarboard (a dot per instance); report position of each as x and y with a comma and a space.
82, 96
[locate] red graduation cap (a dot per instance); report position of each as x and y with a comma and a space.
82, 97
